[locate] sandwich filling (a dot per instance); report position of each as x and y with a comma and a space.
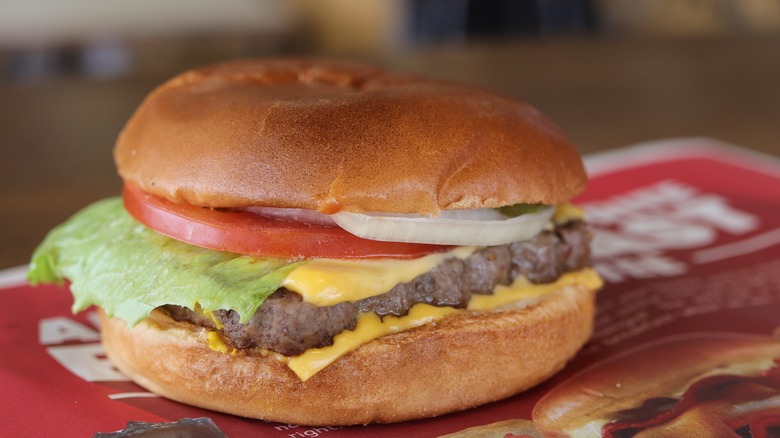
287, 324
307, 312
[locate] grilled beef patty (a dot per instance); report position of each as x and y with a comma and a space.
286, 324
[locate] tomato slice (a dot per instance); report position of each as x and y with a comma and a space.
252, 234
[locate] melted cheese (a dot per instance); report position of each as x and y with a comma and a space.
210, 315
369, 326
216, 342
566, 212
524, 291
327, 282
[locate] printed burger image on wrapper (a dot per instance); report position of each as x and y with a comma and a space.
686, 238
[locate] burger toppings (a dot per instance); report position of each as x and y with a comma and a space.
300, 233
286, 324
129, 270
291, 307
243, 232
452, 227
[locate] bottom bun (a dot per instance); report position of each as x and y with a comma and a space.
463, 360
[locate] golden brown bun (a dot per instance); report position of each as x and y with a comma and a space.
327, 134
464, 360
661, 369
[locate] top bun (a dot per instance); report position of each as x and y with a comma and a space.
328, 135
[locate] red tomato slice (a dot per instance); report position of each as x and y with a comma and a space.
256, 235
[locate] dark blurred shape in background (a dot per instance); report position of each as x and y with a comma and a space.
442, 20
41, 38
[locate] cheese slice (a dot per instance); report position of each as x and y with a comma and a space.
327, 282
369, 326
566, 212
525, 291
216, 342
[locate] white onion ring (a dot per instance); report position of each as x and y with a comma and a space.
482, 227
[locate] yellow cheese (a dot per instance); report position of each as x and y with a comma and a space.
216, 342
369, 326
327, 282
217, 323
523, 290
567, 212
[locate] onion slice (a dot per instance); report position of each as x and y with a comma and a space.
292, 215
483, 227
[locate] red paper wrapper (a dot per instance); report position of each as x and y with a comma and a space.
688, 241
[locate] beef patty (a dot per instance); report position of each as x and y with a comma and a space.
286, 324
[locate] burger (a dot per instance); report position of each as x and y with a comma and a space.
328, 243
695, 384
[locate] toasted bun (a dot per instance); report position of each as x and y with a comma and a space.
329, 135
665, 368
464, 360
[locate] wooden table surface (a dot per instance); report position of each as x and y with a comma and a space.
56, 136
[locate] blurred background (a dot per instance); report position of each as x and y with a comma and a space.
610, 72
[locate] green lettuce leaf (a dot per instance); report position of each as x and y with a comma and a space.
115, 262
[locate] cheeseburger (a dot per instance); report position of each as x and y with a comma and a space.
327, 243
699, 384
